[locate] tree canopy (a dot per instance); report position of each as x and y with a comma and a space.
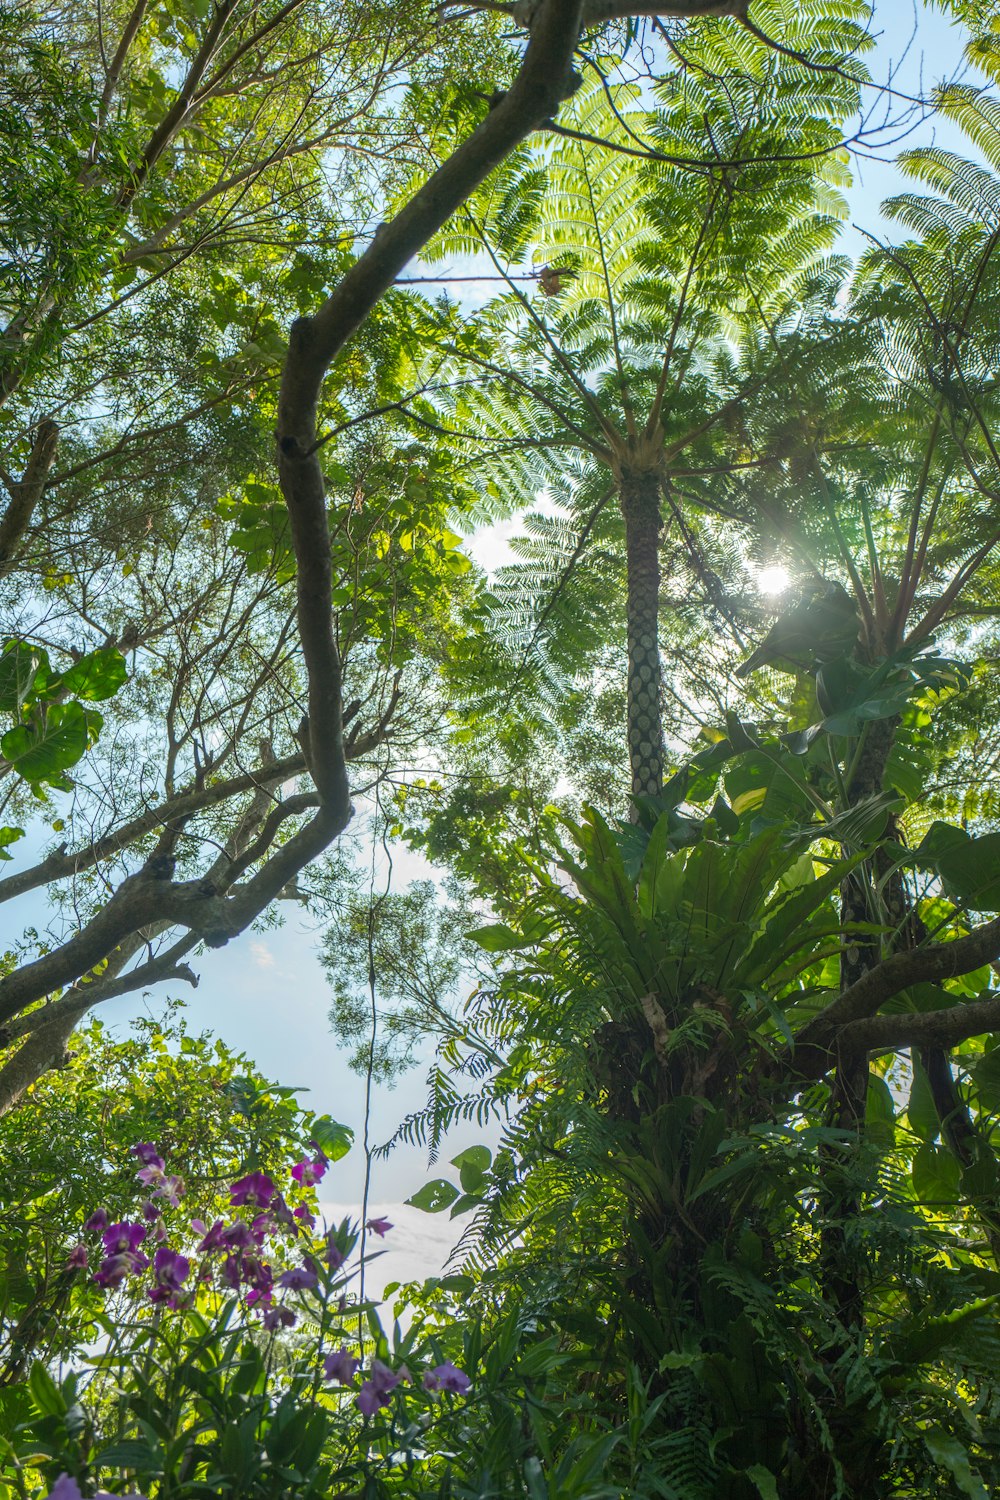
705, 776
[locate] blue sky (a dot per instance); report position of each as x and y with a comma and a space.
265, 992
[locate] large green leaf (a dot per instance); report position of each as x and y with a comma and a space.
96, 676
936, 1175
332, 1138
19, 662
920, 1110
434, 1196
969, 867
768, 785
43, 752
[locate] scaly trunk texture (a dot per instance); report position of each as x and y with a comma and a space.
640, 502
858, 903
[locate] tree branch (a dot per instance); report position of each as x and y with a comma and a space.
26, 494
936, 1028
818, 1044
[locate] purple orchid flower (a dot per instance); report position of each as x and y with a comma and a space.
124, 1237
340, 1367
237, 1236
170, 1271
278, 1317
66, 1488
280, 1211
229, 1272
262, 1226
212, 1239
377, 1389
114, 1268
153, 1173
305, 1216
146, 1152
258, 1276
447, 1377
379, 1227
256, 1189
310, 1170
98, 1221
299, 1279
76, 1260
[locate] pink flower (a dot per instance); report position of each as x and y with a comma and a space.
379, 1227
256, 1189
310, 1171
76, 1260
340, 1367
447, 1377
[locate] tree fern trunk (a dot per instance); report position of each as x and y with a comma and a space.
640, 502
859, 903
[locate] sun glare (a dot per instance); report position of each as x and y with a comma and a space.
773, 580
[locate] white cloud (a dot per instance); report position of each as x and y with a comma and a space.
262, 955
417, 1246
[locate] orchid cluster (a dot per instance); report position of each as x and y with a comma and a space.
376, 1391
239, 1245
66, 1488
232, 1256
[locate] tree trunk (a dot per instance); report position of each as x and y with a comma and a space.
640, 502
859, 902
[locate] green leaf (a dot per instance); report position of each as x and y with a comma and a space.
42, 752
926, 1338
19, 663
947, 1451
45, 1393
880, 1111
920, 1110
767, 1485
936, 1175
497, 938
985, 1074
96, 676
332, 1138
434, 1196
969, 867
128, 1454
9, 835
473, 1165
768, 785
